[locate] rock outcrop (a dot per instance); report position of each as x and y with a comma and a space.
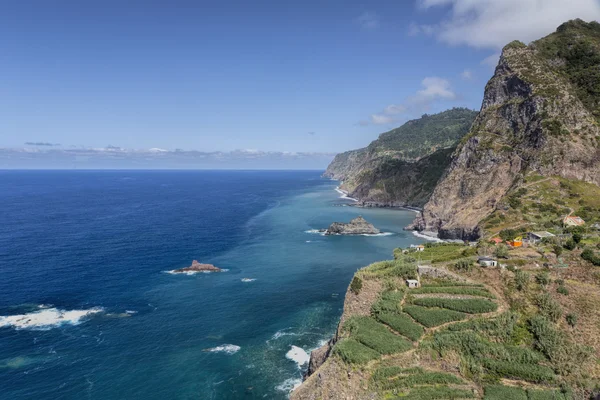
357, 226
539, 113
197, 267
402, 167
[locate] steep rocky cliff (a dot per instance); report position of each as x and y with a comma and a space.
540, 113
402, 167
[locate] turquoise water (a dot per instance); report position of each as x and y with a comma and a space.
103, 241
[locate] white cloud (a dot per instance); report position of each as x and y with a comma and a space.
368, 20
467, 74
394, 109
494, 23
434, 88
491, 60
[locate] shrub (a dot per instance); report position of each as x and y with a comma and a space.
499, 328
353, 352
577, 237
464, 265
557, 250
521, 280
356, 285
528, 372
549, 307
562, 290
431, 317
546, 395
501, 251
571, 319
376, 336
570, 245
590, 256
500, 392
455, 290
471, 306
542, 278
388, 302
402, 324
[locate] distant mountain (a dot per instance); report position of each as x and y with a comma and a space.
402, 167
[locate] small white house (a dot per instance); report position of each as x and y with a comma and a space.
487, 262
412, 283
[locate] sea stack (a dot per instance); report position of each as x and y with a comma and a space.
357, 226
197, 267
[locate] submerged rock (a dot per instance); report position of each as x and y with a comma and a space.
357, 226
197, 267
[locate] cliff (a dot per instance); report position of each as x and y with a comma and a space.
540, 114
402, 167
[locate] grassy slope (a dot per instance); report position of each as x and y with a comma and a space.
525, 348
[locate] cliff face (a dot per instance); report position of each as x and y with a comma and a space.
539, 113
402, 167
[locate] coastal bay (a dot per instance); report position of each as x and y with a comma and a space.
115, 236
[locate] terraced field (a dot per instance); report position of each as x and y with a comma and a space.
443, 319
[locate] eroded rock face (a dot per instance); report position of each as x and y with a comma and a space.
357, 226
197, 267
531, 119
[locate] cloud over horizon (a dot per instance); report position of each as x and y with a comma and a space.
434, 88
491, 24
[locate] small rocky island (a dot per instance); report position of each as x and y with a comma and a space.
357, 226
197, 267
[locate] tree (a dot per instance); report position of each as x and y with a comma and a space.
570, 245
577, 237
557, 250
501, 251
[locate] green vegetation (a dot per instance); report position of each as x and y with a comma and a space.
471, 306
438, 252
571, 319
354, 352
434, 393
521, 280
562, 289
500, 392
431, 317
589, 255
356, 285
416, 138
389, 301
528, 372
402, 324
388, 378
427, 282
543, 278
549, 307
455, 290
401, 268
373, 334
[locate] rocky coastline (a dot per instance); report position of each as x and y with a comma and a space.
357, 226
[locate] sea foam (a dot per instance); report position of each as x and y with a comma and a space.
298, 355
224, 348
289, 385
344, 194
48, 318
427, 237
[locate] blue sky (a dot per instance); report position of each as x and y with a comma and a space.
311, 76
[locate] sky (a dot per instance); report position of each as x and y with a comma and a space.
260, 77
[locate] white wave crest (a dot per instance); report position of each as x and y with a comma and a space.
224, 348
298, 355
378, 234
429, 237
248, 279
316, 232
344, 194
48, 318
289, 385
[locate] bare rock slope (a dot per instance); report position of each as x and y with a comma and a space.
540, 112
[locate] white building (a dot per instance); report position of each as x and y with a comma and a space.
487, 262
412, 283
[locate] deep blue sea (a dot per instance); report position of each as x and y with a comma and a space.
88, 311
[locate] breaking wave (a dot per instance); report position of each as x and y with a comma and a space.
48, 318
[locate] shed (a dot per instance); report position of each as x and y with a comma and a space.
538, 236
412, 283
496, 241
420, 247
487, 262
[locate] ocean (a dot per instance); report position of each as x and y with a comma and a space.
88, 309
